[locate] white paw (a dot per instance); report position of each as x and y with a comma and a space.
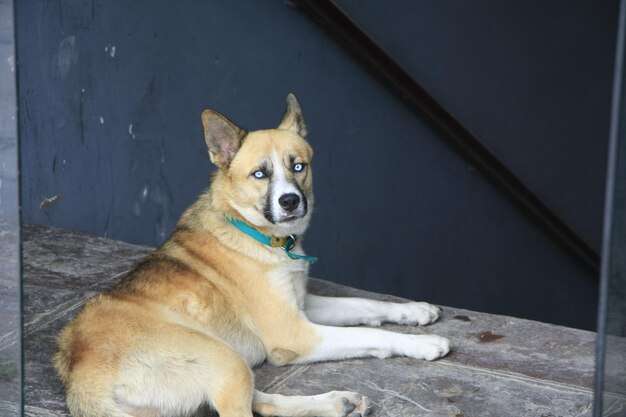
414, 313
350, 404
427, 347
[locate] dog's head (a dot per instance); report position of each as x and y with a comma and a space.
263, 177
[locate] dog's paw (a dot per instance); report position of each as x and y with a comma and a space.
351, 404
414, 313
427, 347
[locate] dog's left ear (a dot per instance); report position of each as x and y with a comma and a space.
293, 120
222, 137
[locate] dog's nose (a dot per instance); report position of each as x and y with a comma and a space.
289, 202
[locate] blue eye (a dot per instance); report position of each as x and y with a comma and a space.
259, 174
298, 167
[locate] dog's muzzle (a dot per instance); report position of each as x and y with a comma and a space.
289, 202
288, 207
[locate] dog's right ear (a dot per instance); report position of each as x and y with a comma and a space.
222, 137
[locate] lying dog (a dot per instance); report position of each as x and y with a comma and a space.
225, 292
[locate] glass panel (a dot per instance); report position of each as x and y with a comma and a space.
610, 400
10, 322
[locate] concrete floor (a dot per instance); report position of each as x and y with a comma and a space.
499, 366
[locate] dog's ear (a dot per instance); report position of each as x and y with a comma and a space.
293, 120
222, 137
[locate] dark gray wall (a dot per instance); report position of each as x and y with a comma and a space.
530, 79
396, 211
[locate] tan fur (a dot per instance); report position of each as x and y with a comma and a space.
210, 295
183, 329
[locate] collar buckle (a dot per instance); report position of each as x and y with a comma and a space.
290, 243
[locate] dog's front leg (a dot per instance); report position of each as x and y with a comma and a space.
334, 343
349, 311
330, 404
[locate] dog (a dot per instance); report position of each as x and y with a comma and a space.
226, 292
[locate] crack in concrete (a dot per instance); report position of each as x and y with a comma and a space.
280, 380
557, 386
395, 395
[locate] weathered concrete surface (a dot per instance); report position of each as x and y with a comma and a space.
499, 366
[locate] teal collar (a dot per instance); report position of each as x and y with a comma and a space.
287, 243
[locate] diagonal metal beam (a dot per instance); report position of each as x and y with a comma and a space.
339, 25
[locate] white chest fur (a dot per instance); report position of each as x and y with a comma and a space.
291, 280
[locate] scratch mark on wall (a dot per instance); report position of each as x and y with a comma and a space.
110, 49
81, 123
101, 120
11, 61
112, 203
140, 201
130, 130
49, 202
66, 56
164, 199
27, 109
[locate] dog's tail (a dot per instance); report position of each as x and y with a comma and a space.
62, 359
88, 395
